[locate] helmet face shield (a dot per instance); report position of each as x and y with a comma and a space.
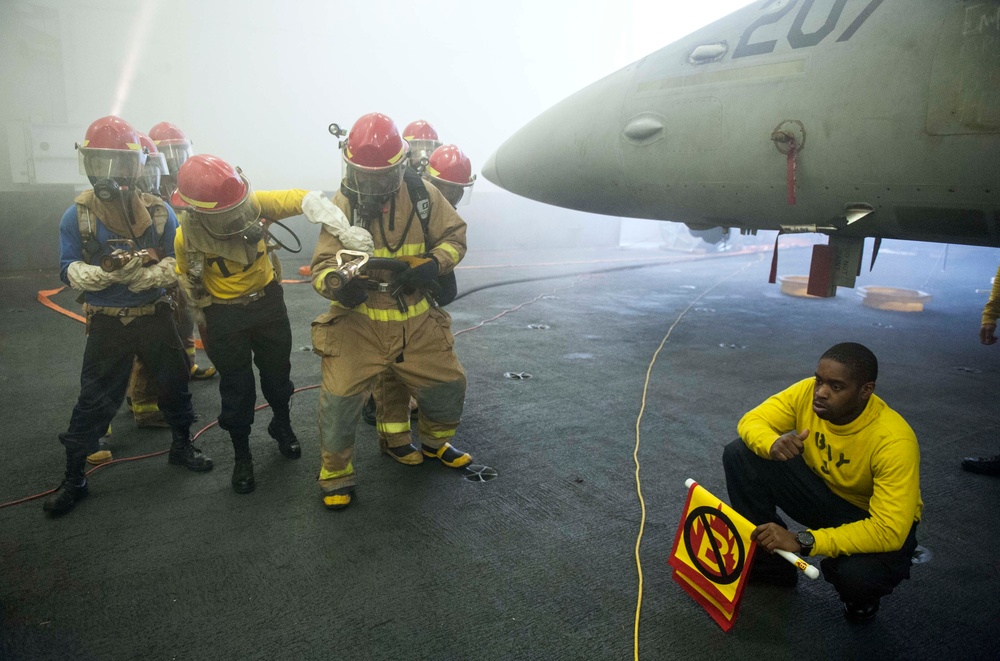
234, 222
111, 163
456, 194
152, 171
420, 153
373, 182
175, 153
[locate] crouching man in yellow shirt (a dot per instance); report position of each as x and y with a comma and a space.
224, 269
834, 457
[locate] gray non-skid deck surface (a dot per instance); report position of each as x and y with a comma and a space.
538, 563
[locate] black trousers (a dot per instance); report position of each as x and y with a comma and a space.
241, 336
758, 486
107, 364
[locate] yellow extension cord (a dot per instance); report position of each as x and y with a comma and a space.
635, 452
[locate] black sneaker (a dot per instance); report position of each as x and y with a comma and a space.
288, 444
243, 481
65, 498
859, 612
190, 458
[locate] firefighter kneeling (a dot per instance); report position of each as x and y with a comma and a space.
386, 321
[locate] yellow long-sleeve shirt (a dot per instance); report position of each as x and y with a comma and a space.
872, 462
226, 279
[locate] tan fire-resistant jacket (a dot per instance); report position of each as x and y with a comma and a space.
403, 233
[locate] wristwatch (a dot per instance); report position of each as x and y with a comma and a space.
806, 541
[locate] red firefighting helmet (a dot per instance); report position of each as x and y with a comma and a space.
111, 150
374, 156
419, 130
172, 143
450, 170
423, 141
217, 194
155, 167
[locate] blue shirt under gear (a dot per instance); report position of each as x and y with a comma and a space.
116, 295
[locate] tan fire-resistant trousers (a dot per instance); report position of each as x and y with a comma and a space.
355, 350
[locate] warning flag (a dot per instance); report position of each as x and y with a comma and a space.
712, 554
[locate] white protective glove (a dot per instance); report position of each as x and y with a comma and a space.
161, 274
318, 209
88, 277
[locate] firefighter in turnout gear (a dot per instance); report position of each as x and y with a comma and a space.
117, 248
142, 392
386, 320
450, 171
225, 270
175, 147
423, 140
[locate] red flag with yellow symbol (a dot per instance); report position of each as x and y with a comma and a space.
712, 554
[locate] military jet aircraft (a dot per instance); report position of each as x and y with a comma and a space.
852, 118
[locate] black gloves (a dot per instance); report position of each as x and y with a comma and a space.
353, 294
422, 272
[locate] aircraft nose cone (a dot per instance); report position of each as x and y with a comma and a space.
489, 170
570, 152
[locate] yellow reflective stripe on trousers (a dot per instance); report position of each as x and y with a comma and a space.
324, 474
446, 433
144, 408
392, 315
393, 427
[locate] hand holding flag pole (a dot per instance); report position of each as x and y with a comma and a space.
808, 569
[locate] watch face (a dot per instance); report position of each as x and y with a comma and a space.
805, 538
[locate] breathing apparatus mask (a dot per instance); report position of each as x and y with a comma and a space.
420, 153
152, 174
168, 184
370, 189
111, 171
240, 222
107, 189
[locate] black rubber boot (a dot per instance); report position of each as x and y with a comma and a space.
184, 453
450, 456
65, 497
74, 485
243, 481
861, 612
281, 431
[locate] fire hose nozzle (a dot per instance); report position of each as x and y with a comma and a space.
346, 270
122, 256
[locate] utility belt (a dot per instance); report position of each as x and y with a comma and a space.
240, 300
375, 285
246, 299
134, 311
